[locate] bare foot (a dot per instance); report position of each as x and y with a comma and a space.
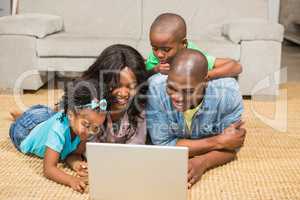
15, 114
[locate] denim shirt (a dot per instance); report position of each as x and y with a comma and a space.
222, 105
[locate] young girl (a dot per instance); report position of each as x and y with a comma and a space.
122, 69
53, 136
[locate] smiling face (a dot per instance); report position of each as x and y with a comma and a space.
165, 46
126, 90
85, 122
185, 92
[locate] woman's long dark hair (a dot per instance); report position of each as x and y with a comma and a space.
106, 70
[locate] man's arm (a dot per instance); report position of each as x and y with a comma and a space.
224, 67
200, 146
230, 139
200, 164
232, 134
157, 114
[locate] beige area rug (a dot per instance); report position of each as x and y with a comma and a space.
268, 167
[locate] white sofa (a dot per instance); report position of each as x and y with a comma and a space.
67, 35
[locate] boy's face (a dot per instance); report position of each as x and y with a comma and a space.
165, 46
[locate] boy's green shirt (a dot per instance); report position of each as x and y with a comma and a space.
152, 60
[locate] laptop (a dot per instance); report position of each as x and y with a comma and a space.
137, 172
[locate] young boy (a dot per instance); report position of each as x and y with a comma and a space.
168, 36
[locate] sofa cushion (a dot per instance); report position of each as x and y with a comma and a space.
63, 64
113, 18
38, 25
252, 29
219, 47
216, 46
68, 45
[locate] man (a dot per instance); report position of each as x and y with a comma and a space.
185, 110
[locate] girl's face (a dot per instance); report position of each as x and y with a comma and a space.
125, 91
86, 122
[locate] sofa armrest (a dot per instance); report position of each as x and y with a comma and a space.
37, 25
252, 29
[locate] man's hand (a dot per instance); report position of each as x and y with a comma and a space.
233, 136
78, 184
81, 168
198, 165
196, 168
162, 68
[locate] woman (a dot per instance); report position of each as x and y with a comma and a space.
120, 69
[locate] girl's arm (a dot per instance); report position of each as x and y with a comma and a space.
224, 67
75, 162
52, 172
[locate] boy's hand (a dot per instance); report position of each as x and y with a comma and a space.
162, 68
78, 184
81, 168
233, 136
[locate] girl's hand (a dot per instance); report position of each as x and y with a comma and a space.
76, 163
53, 173
81, 168
78, 184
